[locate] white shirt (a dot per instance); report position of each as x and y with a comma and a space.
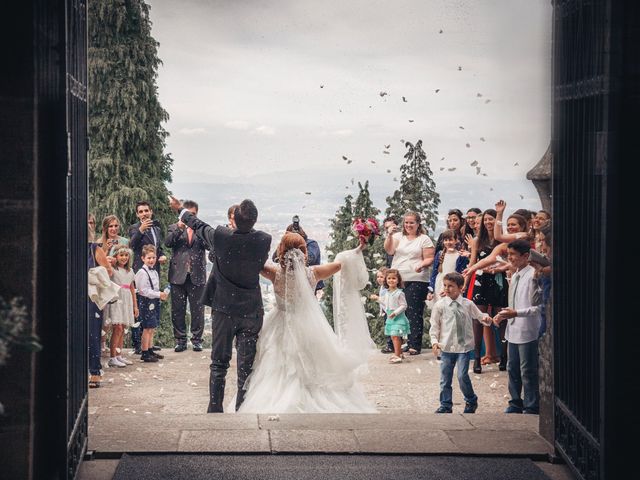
525, 327
443, 329
395, 301
146, 289
408, 256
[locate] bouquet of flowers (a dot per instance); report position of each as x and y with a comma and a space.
366, 229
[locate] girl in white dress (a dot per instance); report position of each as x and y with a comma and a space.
121, 314
300, 365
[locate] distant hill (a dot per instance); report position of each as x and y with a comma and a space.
280, 195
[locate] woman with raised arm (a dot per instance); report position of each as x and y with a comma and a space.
510, 236
488, 291
413, 253
300, 364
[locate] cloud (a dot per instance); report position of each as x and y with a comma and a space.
342, 133
192, 131
265, 130
238, 125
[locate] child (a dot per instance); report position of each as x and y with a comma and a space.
447, 260
452, 338
388, 348
121, 314
394, 303
149, 296
523, 328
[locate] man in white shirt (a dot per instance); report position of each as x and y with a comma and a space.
523, 317
452, 334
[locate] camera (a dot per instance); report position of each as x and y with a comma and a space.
296, 223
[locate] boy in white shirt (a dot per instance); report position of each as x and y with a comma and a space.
149, 297
452, 337
524, 319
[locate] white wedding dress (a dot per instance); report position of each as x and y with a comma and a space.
300, 365
349, 316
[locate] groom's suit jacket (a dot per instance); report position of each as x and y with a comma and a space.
238, 259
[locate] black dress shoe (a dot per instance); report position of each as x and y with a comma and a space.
181, 347
157, 355
149, 358
470, 407
155, 348
442, 409
197, 347
477, 368
502, 366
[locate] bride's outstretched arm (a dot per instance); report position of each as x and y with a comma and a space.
269, 271
322, 272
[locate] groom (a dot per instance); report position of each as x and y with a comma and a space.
239, 255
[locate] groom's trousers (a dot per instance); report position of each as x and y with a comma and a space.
224, 328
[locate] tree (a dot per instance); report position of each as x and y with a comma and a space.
127, 162
417, 190
343, 238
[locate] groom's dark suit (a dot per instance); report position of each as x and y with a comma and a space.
237, 300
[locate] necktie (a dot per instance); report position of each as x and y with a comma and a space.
190, 234
153, 235
459, 317
512, 292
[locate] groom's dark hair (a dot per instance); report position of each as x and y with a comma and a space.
245, 215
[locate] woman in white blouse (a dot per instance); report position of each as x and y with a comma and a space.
413, 253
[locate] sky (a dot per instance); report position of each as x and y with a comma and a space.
269, 95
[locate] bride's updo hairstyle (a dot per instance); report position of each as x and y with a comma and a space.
290, 241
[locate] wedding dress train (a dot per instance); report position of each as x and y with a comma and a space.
300, 365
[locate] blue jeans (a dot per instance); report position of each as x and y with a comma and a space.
522, 368
449, 361
95, 334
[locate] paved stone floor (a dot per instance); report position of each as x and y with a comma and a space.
180, 384
160, 407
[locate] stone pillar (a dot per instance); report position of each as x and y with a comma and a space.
545, 348
540, 175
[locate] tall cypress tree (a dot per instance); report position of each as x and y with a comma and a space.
127, 162
417, 190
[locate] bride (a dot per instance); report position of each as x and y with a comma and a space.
300, 365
